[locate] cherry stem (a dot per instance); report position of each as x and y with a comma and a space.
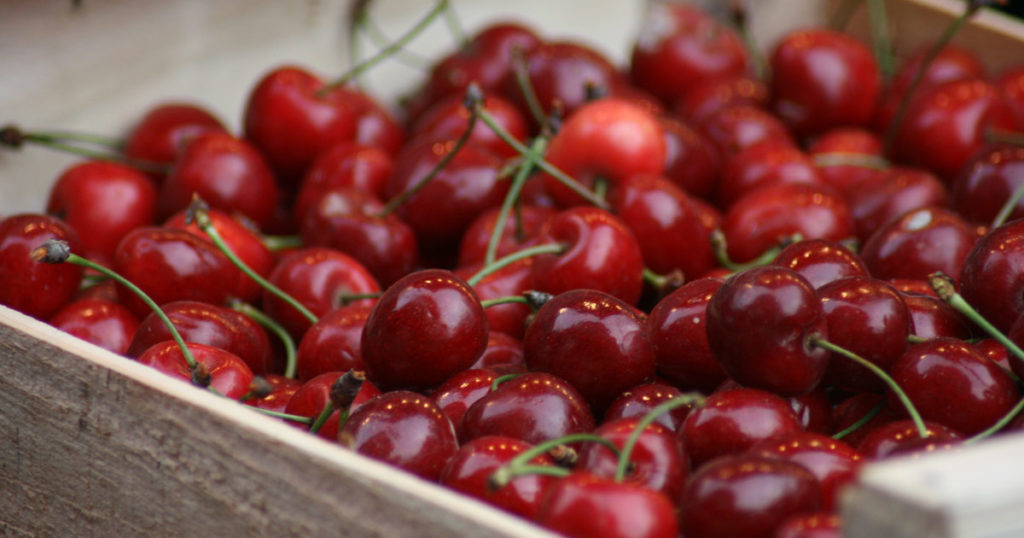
946, 291
862, 420
738, 15
505, 261
345, 299
1002, 136
451, 19
999, 425
285, 416
873, 162
1008, 207
525, 167
501, 379
563, 178
666, 283
357, 16
259, 387
282, 242
325, 413
926, 61
197, 212
103, 141
692, 398
13, 137
385, 52
519, 465
915, 339
881, 43
922, 431
473, 97
345, 389
522, 75
721, 250
57, 251
380, 39
511, 299
273, 326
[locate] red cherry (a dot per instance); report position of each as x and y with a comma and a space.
677, 331
448, 118
768, 162
918, 244
104, 323
746, 495
993, 275
312, 397
1012, 85
821, 261
462, 390
503, 355
583, 505
814, 410
333, 344
951, 63
891, 194
656, 462
837, 152
404, 429
933, 318
815, 525
855, 408
638, 401
520, 230
36, 289
707, 96
102, 201
902, 437
513, 279
834, 463
991, 349
375, 127
691, 161
423, 329
735, 127
229, 375
592, 340
282, 390
761, 324
166, 128
987, 181
345, 165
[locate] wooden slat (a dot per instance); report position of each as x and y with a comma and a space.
95, 444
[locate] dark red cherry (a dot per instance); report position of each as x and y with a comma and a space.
768, 162
533, 407
460, 391
592, 340
98, 321
902, 437
677, 330
761, 324
102, 201
691, 161
746, 495
423, 329
918, 244
834, 463
471, 469
583, 505
814, 410
951, 383
855, 408
996, 352
932, 318
640, 400
707, 96
33, 288
449, 117
987, 181
165, 129
735, 127
821, 261
282, 390
375, 126
404, 429
345, 165
885, 197
846, 157
521, 228
825, 524
513, 279
311, 398
657, 460
333, 344
503, 355
993, 275
229, 375
732, 421
1011, 83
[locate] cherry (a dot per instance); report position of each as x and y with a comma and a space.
102, 201
746, 495
346, 165
902, 437
226, 172
993, 275
919, 243
533, 407
35, 289
98, 321
886, 196
768, 162
228, 374
449, 117
678, 335
707, 96
932, 318
868, 317
986, 183
834, 463
423, 329
281, 391
511, 280
814, 525
404, 429
640, 400
471, 468
592, 340
583, 505
814, 410
462, 390
375, 126
732, 421
1011, 83
996, 352
821, 261
866, 408
163, 130
681, 45
951, 383
518, 232
847, 157
504, 355
823, 79
737, 126
691, 161
761, 324
656, 461
312, 398
333, 343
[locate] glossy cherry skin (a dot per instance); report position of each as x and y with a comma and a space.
765, 217
986, 183
707, 96
1011, 82
423, 329
600, 253
869, 318
318, 278
349, 221
98, 321
760, 324
691, 161
823, 79
163, 130
283, 388
521, 228
735, 127
102, 201
825, 524
333, 344
746, 495
592, 340
951, 383
375, 125
932, 318
991, 349
849, 411
348, 165
404, 429
513, 279
666, 225
583, 505
504, 354
821, 261
171, 264
902, 437
311, 398
918, 244
226, 172
288, 120
471, 469
657, 460
448, 118
34, 288
768, 162
677, 331
834, 463
814, 410
681, 45
229, 375
837, 152
885, 197
641, 399
609, 138
993, 275
211, 325
945, 125
533, 407
732, 421
462, 390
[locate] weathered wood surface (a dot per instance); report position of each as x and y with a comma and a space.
93, 444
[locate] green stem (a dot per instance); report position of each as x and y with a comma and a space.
519, 465
947, 292
505, 261
1008, 207
881, 44
103, 141
451, 18
325, 413
281, 242
721, 250
273, 326
862, 421
487, 303
378, 38
647, 420
874, 162
522, 75
999, 425
922, 430
286, 416
742, 26
536, 151
14, 137
501, 379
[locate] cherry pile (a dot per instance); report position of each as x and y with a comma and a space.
672, 298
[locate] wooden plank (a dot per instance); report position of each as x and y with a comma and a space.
92, 443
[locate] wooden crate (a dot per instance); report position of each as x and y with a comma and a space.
95, 444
